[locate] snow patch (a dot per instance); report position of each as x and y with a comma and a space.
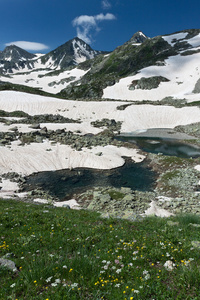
157, 211
173, 38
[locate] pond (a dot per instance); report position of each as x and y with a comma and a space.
64, 183
164, 145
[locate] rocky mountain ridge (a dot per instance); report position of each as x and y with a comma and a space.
141, 69
14, 59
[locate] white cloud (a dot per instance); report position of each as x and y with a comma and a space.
85, 24
102, 17
29, 45
105, 4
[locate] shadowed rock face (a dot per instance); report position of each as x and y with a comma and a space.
147, 83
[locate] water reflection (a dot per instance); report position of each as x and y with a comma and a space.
166, 146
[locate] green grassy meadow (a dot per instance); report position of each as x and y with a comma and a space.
67, 254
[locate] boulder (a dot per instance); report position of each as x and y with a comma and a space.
9, 264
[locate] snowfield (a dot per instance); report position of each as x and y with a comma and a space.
134, 117
35, 157
47, 157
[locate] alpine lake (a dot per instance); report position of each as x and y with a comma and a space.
63, 184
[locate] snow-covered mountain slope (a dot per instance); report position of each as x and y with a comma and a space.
48, 81
159, 67
177, 76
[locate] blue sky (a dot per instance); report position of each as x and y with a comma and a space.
104, 24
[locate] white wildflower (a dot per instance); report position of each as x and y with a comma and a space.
54, 284
118, 271
146, 277
191, 259
73, 285
49, 279
169, 265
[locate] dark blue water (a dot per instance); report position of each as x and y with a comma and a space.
64, 183
165, 146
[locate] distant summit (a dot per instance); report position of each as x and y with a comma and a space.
71, 53
138, 38
15, 54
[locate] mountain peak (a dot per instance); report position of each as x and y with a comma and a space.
71, 53
138, 38
14, 53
